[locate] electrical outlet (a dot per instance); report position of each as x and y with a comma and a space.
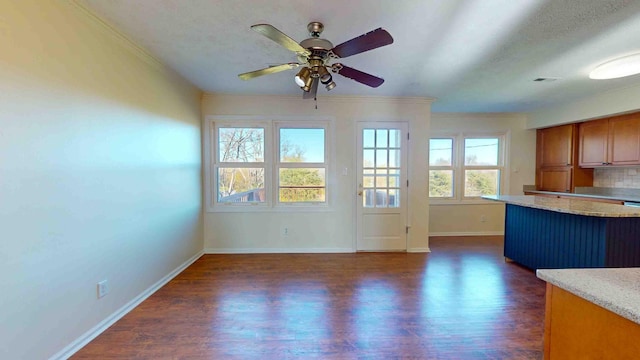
285, 231
483, 218
103, 288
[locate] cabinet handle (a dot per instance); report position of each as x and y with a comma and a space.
604, 163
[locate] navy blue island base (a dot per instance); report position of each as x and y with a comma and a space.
546, 239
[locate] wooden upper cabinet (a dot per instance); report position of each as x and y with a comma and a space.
557, 160
555, 146
613, 141
594, 140
624, 140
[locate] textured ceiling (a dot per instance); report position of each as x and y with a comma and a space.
471, 55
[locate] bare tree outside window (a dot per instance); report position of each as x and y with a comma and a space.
241, 175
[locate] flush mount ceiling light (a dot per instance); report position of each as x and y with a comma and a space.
617, 68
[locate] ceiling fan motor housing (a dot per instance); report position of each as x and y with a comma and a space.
315, 29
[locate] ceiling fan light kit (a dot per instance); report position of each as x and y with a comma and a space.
316, 54
617, 68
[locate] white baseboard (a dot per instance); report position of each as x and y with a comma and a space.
419, 250
277, 250
470, 233
83, 340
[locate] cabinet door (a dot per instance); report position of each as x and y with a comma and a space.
555, 146
624, 140
555, 179
594, 143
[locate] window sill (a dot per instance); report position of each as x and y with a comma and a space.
269, 209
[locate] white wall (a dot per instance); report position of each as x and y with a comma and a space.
100, 175
601, 105
332, 230
463, 218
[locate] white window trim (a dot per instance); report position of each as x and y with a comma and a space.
278, 164
459, 167
271, 155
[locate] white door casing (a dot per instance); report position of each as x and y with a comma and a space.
381, 180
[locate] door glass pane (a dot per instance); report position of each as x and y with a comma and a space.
368, 158
481, 152
481, 182
381, 198
440, 152
381, 138
240, 145
394, 198
381, 158
367, 198
367, 181
394, 138
394, 180
241, 185
368, 138
381, 181
394, 158
302, 145
441, 183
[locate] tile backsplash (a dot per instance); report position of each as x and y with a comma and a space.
617, 178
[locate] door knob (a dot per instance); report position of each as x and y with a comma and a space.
360, 193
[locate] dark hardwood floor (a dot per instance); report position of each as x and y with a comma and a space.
461, 301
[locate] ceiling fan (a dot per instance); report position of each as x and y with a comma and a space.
315, 56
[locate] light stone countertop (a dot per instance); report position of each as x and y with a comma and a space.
587, 196
617, 290
569, 206
621, 194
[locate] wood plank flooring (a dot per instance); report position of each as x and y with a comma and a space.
461, 301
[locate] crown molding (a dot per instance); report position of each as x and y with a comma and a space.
118, 36
331, 99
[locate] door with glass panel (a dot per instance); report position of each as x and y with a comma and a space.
382, 186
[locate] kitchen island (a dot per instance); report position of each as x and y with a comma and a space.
551, 233
592, 313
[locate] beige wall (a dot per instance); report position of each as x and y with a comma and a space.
485, 218
335, 229
601, 105
100, 175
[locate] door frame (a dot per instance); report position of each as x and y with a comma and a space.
404, 176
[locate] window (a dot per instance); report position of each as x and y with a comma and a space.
465, 166
481, 170
301, 165
259, 165
240, 166
441, 168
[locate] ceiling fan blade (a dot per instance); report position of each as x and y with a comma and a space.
358, 75
311, 94
269, 70
369, 41
280, 38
